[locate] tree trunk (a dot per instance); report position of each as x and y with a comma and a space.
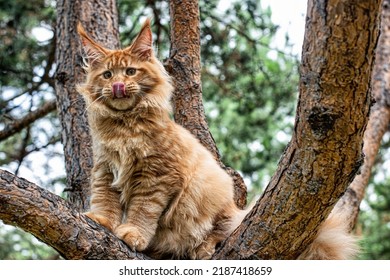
184, 65
378, 122
101, 21
325, 152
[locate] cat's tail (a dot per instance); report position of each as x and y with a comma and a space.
333, 240
238, 216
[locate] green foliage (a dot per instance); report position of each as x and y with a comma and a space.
20, 52
374, 219
18, 245
26, 66
249, 88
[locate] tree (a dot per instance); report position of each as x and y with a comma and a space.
326, 143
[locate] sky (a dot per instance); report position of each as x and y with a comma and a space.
290, 16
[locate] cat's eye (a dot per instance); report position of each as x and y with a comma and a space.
107, 74
131, 71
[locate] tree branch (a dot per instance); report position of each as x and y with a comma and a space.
325, 152
22, 123
55, 222
242, 32
378, 121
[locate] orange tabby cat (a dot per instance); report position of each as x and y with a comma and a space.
153, 184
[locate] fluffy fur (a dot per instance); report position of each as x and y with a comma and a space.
153, 184
333, 242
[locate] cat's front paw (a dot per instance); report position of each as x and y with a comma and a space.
100, 219
132, 236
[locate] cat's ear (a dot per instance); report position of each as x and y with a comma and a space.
95, 52
142, 45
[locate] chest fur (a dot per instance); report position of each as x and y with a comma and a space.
127, 158
135, 157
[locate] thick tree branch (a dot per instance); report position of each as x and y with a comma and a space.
325, 152
54, 221
378, 121
22, 123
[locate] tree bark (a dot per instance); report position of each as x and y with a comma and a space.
378, 122
325, 152
101, 20
54, 221
184, 65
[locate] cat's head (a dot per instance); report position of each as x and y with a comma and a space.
121, 80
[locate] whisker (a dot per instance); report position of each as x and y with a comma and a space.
89, 105
74, 101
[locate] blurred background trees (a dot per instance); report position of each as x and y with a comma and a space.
249, 91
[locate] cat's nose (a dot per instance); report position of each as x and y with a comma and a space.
118, 90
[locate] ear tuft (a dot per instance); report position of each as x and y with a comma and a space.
95, 52
142, 45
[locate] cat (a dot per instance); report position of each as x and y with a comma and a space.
152, 184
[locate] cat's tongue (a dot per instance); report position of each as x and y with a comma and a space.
118, 90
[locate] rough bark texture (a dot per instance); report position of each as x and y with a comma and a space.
378, 122
101, 20
325, 152
53, 220
184, 65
